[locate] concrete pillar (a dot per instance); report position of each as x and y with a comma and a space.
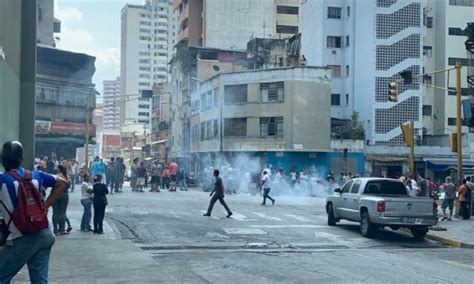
28, 79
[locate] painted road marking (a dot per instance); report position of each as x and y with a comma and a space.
261, 215
240, 217
331, 237
244, 231
299, 218
458, 264
216, 235
287, 226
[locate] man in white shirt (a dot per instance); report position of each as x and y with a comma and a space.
265, 185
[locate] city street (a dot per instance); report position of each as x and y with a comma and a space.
288, 242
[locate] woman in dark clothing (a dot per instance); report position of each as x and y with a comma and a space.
100, 202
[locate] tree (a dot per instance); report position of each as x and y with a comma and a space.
352, 129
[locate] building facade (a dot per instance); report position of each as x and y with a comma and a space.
47, 24
111, 106
367, 44
267, 113
147, 39
65, 96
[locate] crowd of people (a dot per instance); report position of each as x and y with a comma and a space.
158, 176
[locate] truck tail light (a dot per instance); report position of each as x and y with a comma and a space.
381, 206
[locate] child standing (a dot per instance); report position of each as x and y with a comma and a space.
100, 202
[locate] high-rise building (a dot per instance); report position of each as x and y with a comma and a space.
232, 23
367, 44
443, 46
47, 24
111, 106
146, 39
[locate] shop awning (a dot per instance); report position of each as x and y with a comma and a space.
442, 165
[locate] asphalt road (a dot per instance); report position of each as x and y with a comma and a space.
289, 242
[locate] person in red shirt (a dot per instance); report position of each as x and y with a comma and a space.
173, 167
165, 178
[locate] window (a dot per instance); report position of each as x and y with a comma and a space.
347, 41
427, 51
145, 30
235, 127
215, 128
427, 110
235, 94
385, 187
429, 22
456, 32
335, 70
281, 29
348, 12
272, 92
216, 96
203, 131
427, 79
145, 38
347, 99
347, 187
145, 61
146, 76
271, 126
143, 106
334, 41
335, 99
143, 121
209, 55
289, 10
334, 12
356, 186
143, 114
145, 23
466, 3
347, 71
451, 121
209, 129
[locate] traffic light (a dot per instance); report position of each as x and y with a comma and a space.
407, 132
407, 77
453, 142
393, 92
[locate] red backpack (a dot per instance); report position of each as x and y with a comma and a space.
29, 215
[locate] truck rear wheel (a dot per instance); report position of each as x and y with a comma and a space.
331, 218
419, 233
367, 229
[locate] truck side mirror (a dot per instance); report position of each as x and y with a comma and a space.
338, 190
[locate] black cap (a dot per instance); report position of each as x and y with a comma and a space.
12, 155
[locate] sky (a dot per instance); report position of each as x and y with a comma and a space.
93, 27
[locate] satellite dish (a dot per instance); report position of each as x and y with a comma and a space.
216, 68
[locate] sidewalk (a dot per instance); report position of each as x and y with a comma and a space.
90, 258
460, 233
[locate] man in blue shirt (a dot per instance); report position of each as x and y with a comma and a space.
95, 167
32, 249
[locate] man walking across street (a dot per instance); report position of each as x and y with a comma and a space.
219, 195
265, 185
422, 190
111, 176
448, 202
29, 240
73, 171
182, 179
462, 191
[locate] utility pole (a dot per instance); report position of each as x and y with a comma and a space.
458, 121
412, 149
86, 148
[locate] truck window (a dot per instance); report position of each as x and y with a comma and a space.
385, 187
356, 186
347, 187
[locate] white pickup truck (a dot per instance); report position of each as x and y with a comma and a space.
380, 202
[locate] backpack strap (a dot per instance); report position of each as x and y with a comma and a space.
11, 217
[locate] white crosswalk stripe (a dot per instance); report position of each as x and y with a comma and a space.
297, 217
261, 215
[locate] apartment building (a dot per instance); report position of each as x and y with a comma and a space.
232, 23
367, 44
147, 39
281, 115
111, 106
443, 46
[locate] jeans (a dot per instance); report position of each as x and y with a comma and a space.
87, 215
266, 191
59, 213
73, 179
33, 250
182, 183
214, 199
99, 214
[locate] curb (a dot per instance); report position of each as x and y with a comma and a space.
449, 242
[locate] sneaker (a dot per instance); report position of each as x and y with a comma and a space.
229, 214
207, 215
449, 219
69, 229
263, 204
